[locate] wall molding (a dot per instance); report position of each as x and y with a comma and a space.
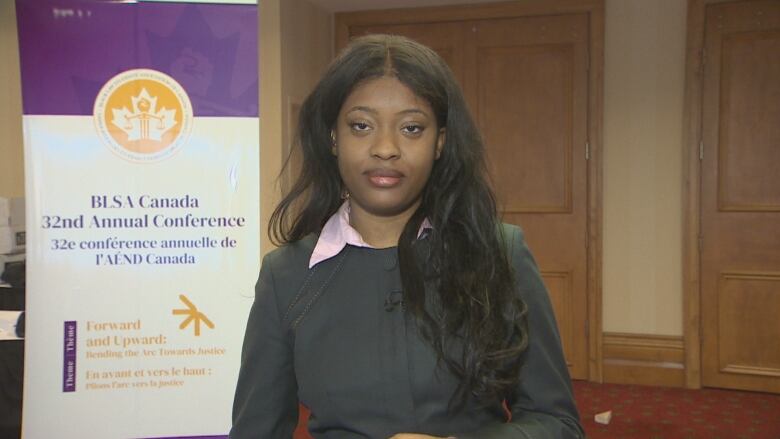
657, 360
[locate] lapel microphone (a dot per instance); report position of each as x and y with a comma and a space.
394, 300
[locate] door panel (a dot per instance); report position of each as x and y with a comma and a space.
526, 80
537, 80
749, 121
740, 197
562, 296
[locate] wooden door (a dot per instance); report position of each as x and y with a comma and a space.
531, 80
740, 197
526, 81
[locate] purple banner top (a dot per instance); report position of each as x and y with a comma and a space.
69, 357
70, 48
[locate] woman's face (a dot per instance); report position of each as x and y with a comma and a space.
386, 140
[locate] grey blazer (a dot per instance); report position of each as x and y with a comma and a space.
336, 339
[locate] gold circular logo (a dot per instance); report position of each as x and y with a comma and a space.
143, 115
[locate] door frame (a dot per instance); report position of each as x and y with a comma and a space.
525, 8
692, 141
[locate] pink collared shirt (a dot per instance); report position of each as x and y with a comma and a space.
338, 233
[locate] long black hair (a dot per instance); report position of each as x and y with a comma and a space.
465, 272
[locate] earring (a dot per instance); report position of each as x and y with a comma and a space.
345, 194
333, 138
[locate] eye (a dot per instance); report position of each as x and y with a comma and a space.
413, 129
359, 126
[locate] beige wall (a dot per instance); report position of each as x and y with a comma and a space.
643, 101
11, 146
642, 140
307, 48
270, 111
296, 42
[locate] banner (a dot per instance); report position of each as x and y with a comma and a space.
141, 135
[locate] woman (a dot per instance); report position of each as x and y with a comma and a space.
398, 305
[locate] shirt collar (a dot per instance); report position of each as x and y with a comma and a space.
338, 233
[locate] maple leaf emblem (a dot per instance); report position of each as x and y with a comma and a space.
144, 121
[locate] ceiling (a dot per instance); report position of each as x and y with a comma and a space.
362, 5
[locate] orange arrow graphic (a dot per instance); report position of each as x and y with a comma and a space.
193, 315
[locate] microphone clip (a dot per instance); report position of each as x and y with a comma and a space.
394, 300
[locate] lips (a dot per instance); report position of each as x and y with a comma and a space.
384, 178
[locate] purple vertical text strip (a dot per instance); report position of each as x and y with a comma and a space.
69, 357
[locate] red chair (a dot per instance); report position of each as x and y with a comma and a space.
301, 431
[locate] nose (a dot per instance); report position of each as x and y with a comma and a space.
385, 147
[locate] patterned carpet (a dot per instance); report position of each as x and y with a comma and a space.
642, 412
